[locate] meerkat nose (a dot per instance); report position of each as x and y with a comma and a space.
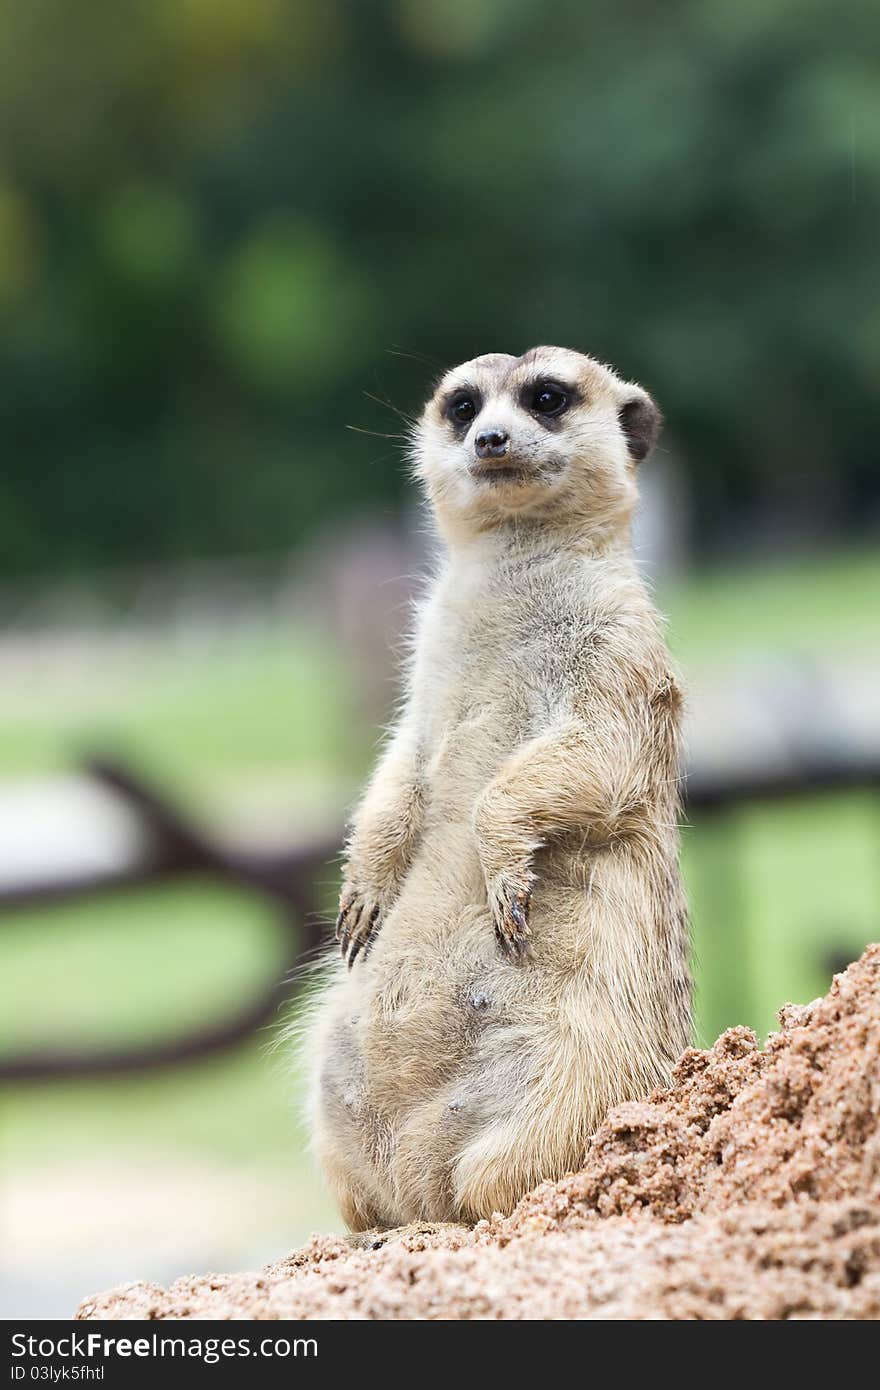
491, 444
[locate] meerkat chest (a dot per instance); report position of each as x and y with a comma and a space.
492, 670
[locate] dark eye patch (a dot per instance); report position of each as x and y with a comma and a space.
548, 399
462, 406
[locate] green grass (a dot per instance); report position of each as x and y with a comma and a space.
189, 718
152, 963
241, 1107
824, 605
775, 891
781, 897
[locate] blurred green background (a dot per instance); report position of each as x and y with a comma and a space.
228, 230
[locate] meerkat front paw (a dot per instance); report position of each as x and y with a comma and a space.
358, 923
510, 897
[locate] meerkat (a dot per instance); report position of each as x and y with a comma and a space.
513, 927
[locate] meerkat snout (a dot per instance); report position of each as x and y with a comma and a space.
491, 444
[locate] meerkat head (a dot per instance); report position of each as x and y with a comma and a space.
552, 435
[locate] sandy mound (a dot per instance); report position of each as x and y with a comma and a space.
749, 1189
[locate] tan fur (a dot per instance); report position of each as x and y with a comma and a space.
512, 870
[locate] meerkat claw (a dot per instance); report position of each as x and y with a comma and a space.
346, 903
346, 922
371, 940
361, 935
512, 926
514, 944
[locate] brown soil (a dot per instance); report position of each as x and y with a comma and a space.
749, 1189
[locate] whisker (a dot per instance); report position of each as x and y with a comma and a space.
395, 350
376, 434
379, 400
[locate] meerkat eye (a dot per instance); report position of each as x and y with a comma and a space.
549, 400
462, 409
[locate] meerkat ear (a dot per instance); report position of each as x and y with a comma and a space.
640, 420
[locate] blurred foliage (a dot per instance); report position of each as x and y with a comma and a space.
218, 216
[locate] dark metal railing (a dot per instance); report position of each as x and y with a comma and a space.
286, 879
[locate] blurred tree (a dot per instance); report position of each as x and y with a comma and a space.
216, 217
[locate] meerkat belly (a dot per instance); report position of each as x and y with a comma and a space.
400, 1087
454, 1078
422, 1025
